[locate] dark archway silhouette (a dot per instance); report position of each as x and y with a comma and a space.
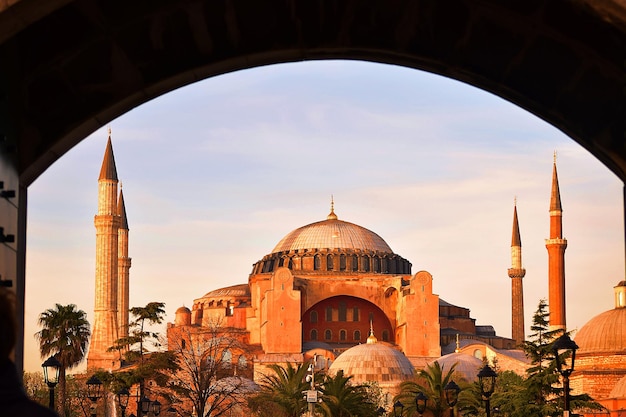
69, 67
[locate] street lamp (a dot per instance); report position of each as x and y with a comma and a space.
94, 391
487, 383
123, 396
155, 407
420, 403
451, 391
398, 408
380, 411
565, 348
144, 406
51, 376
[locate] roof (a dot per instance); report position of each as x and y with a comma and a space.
240, 290
332, 233
604, 333
108, 170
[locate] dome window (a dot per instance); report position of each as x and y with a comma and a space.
328, 335
329, 263
357, 335
343, 311
342, 262
313, 334
313, 317
342, 335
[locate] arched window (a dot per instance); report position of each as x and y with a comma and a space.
281, 262
313, 334
355, 313
342, 262
242, 362
343, 311
385, 335
313, 316
328, 335
357, 335
317, 263
342, 335
329, 263
329, 313
376, 264
355, 263
365, 264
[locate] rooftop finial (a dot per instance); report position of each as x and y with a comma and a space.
371, 338
332, 215
515, 201
555, 156
109, 128
458, 344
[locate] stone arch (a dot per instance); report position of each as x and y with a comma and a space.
104, 58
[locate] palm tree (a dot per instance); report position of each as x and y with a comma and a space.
65, 334
342, 399
283, 389
431, 382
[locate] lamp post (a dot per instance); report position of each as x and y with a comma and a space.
51, 376
123, 396
420, 403
565, 348
487, 383
155, 407
398, 409
94, 392
144, 406
451, 391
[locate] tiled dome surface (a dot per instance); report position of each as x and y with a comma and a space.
605, 332
374, 362
241, 290
332, 234
466, 365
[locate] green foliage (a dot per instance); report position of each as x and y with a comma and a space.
65, 334
281, 390
540, 393
431, 382
342, 399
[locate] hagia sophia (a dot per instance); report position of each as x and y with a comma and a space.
335, 291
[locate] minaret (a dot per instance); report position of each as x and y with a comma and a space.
516, 273
107, 222
556, 246
123, 269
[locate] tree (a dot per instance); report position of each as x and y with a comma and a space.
210, 372
431, 381
539, 394
342, 399
281, 391
65, 334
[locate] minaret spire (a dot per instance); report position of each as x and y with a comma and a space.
517, 273
332, 215
107, 222
556, 246
123, 269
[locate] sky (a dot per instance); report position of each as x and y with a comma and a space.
216, 173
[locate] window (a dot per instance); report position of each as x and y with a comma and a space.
313, 317
385, 335
329, 313
355, 313
242, 362
355, 263
313, 334
366, 263
328, 335
342, 262
343, 311
183, 343
342, 335
317, 263
227, 359
230, 310
329, 263
357, 335
376, 264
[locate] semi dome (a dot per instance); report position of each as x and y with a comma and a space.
241, 290
466, 365
374, 361
332, 233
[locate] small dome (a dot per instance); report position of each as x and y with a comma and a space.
466, 365
333, 234
374, 362
183, 316
605, 332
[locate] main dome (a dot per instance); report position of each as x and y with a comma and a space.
332, 233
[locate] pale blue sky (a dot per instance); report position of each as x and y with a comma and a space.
216, 173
